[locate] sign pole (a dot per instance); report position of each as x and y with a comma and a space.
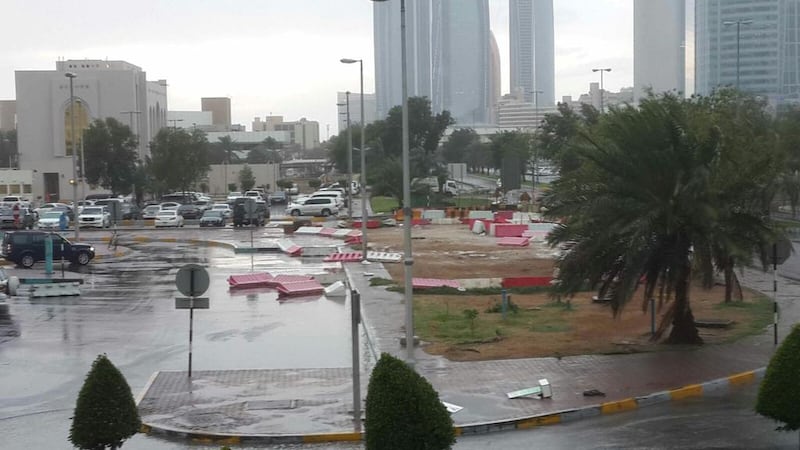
191, 320
355, 318
775, 292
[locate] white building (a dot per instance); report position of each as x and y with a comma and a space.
593, 97
370, 109
659, 42
190, 119
101, 89
516, 113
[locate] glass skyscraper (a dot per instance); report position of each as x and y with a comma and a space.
766, 58
532, 50
448, 56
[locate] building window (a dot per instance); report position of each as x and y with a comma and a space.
81, 123
27, 188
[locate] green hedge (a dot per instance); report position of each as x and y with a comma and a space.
779, 395
403, 411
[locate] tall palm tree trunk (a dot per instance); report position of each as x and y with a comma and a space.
729, 280
683, 330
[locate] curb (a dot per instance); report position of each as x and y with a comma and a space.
522, 423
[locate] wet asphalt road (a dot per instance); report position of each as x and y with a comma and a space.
126, 311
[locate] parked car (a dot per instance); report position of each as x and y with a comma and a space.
50, 220
169, 205
150, 211
340, 198
11, 200
204, 204
190, 211
233, 196
169, 218
248, 211
130, 211
225, 208
255, 194
27, 247
314, 206
277, 197
48, 206
25, 218
94, 216
213, 218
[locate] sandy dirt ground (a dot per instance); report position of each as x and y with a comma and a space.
454, 252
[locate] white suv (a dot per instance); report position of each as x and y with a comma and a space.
314, 206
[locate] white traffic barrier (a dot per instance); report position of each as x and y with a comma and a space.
337, 289
55, 289
384, 256
308, 230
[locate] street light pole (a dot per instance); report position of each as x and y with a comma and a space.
363, 161
602, 92
535, 93
738, 23
408, 259
349, 160
72, 76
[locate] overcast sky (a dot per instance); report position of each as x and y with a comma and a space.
276, 57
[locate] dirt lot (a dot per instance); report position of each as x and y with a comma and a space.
540, 329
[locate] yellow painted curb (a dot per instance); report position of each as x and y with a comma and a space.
693, 390
233, 440
141, 239
742, 378
627, 404
168, 240
335, 437
539, 421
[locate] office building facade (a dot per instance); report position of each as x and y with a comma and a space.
659, 43
752, 43
220, 108
532, 45
102, 89
370, 109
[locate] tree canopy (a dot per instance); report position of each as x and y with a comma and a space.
110, 155
779, 395
179, 158
656, 194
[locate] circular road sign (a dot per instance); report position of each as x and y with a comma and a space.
192, 280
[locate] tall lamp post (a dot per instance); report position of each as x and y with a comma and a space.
738, 23
349, 191
71, 76
408, 259
535, 93
363, 161
602, 92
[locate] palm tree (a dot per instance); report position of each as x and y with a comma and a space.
643, 208
226, 142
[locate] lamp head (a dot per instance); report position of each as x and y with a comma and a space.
349, 61
70, 75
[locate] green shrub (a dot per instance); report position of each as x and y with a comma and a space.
779, 394
105, 414
403, 411
314, 183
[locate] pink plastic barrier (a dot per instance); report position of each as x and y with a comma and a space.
505, 215
343, 257
249, 280
294, 250
526, 281
422, 283
514, 241
283, 279
307, 287
327, 231
353, 240
370, 224
509, 230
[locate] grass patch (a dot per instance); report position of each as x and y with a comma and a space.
758, 312
377, 281
454, 323
383, 204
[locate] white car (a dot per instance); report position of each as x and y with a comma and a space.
94, 216
150, 211
314, 206
227, 212
169, 218
48, 206
49, 220
169, 205
233, 196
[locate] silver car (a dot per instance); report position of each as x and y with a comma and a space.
314, 206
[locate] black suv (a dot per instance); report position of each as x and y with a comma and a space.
258, 217
27, 247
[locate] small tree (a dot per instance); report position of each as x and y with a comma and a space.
403, 411
231, 187
314, 183
105, 414
246, 178
779, 394
284, 183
